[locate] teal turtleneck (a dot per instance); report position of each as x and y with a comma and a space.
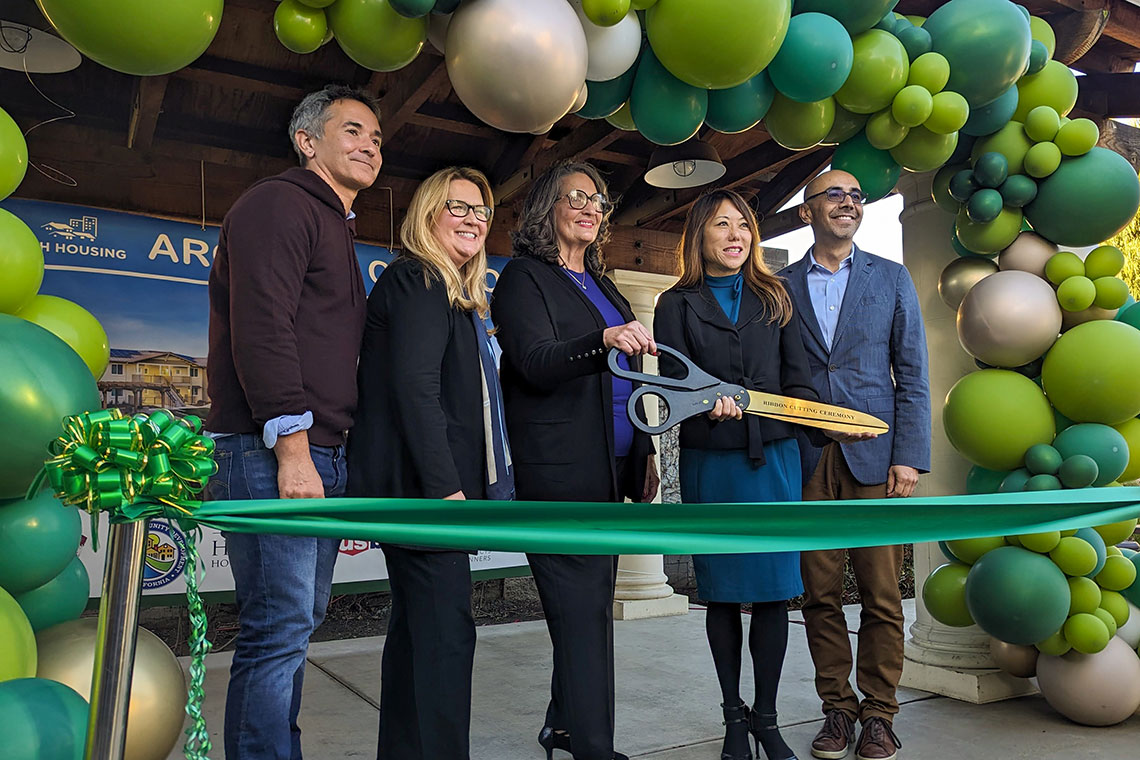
726, 291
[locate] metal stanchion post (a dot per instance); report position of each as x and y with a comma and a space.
115, 643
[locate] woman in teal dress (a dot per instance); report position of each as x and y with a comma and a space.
734, 319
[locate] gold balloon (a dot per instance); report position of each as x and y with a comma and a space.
1009, 319
960, 275
1028, 252
1013, 659
158, 687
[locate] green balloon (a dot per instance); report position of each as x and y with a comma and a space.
1090, 372
1054, 86
605, 12
798, 126
1062, 265
878, 72
970, 550
42, 719
1105, 445
41, 381
715, 44
991, 169
605, 98
372, 34
929, 70
1087, 633
1132, 593
949, 113
1042, 123
1116, 605
984, 206
940, 188
327, 3
622, 119
855, 17
1042, 160
883, 132
61, 599
993, 416
845, 126
666, 110
961, 185
1054, 645
299, 27
1104, 261
1077, 137
981, 480
1111, 293
417, 8
1010, 141
915, 40
912, 105
137, 37
1087, 200
1018, 191
1076, 293
1043, 459
18, 655
1017, 596
922, 150
1015, 481
13, 155
38, 538
814, 60
1043, 483
742, 107
991, 237
21, 261
944, 595
987, 44
987, 119
1042, 32
74, 325
876, 171
1084, 594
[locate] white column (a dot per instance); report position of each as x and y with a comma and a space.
954, 662
642, 588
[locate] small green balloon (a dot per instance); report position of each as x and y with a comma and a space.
981, 480
814, 59
1042, 160
988, 119
605, 98
1043, 459
1055, 645
1018, 191
1076, 293
1084, 593
944, 595
970, 550
18, 655
984, 206
1042, 543
1077, 137
62, 598
912, 105
798, 126
1043, 483
845, 126
1041, 31
1104, 261
1108, 620
876, 171
991, 169
1087, 633
373, 35
666, 110
38, 538
1042, 123
962, 185
1010, 141
931, 71
622, 119
1118, 574
991, 237
416, 8
1015, 481
13, 155
923, 150
915, 40
1116, 605
883, 132
1038, 57
940, 188
1074, 556
1054, 86
742, 107
21, 261
949, 113
605, 12
1062, 265
855, 17
1111, 292
879, 71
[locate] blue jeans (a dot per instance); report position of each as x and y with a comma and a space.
282, 586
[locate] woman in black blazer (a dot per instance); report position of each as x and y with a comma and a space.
426, 376
734, 319
558, 317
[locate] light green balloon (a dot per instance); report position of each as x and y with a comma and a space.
299, 27
1077, 137
605, 12
884, 132
1090, 373
140, 37
993, 416
991, 237
1087, 633
799, 126
923, 150
1041, 31
18, 654
929, 70
912, 105
1054, 86
1042, 123
622, 119
714, 44
879, 71
13, 155
1010, 141
1076, 293
21, 261
940, 188
944, 595
845, 126
1042, 160
1084, 594
372, 34
949, 113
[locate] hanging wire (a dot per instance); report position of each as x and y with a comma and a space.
56, 175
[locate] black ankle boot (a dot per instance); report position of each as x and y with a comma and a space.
737, 721
764, 729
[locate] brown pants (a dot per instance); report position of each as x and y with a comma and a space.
880, 655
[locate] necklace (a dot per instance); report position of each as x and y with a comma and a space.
580, 283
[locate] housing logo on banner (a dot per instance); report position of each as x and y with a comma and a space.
144, 279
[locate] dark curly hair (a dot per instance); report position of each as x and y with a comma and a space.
534, 236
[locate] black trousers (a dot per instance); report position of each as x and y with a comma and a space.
425, 690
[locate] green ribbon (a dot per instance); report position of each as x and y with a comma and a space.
156, 465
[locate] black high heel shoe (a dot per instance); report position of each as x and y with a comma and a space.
550, 739
732, 717
766, 732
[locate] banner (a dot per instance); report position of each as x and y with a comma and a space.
155, 310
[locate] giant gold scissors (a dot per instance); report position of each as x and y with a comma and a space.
698, 391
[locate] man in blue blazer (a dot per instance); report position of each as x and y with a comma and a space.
866, 346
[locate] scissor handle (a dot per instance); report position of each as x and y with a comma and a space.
681, 404
695, 378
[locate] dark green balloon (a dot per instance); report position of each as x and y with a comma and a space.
887, 22
1087, 200
412, 8
915, 39
987, 44
742, 107
962, 185
845, 126
856, 17
605, 98
991, 169
963, 150
981, 480
42, 719
1017, 596
987, 119
814, 60
1043, 483
876, 171
61, 599
1018, 190
940, 188
1015, 481
984, 205
38, 538
42, 380
1038, 57
666, 110
445, 6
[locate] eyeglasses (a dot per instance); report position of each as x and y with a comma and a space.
460, 209
837, 194
578, 200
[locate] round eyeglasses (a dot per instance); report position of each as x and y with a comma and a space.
578, 200
460, 209
837, 194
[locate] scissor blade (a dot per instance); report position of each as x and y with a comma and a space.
812, 413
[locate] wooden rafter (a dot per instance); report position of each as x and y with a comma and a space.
146, 105
1113, 95
416, 83
791, 178
581, 142
1077, 31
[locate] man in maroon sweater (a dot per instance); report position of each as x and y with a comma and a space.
287, 306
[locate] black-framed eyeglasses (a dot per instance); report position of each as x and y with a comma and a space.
578, 200
460, 209
837, 194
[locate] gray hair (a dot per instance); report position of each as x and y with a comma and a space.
312, 112
534, 236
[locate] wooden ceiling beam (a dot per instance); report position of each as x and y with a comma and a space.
408, 91
1077, 31
444, 124
241, 83
578, 144
146, 105
790, 180
780, 223
1113, 95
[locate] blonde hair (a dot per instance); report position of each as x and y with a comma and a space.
768, 287
466, 286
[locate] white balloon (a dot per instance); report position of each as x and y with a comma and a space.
1099, 689
437, 30
518, 66
1130, 631
581, 101
613, 49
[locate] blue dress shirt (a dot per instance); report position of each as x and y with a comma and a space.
827, 289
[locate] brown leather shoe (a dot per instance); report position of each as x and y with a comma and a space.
833, 741
877, 741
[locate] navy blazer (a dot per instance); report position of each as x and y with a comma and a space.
877, 363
